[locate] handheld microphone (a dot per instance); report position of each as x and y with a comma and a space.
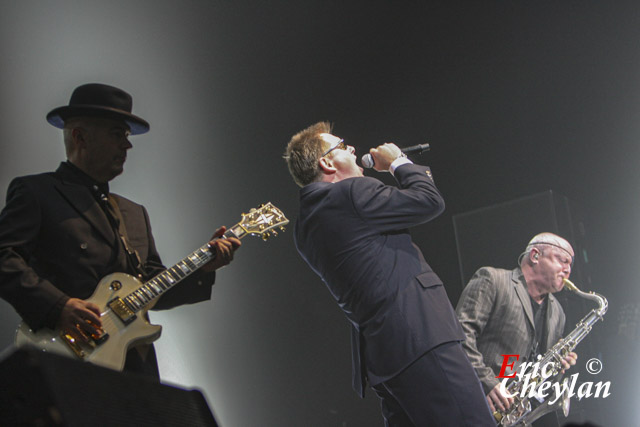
368, 162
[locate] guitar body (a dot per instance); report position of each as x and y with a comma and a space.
112, 352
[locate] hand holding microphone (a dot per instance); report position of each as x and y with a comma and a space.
380, 158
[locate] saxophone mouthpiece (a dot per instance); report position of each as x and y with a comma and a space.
569, 285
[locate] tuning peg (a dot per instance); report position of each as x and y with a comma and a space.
265, 236
282, 228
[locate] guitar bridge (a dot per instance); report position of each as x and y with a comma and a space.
73, 345
124, 313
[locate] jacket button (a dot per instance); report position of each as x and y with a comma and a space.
83, 245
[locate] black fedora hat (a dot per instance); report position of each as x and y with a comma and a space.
95, 99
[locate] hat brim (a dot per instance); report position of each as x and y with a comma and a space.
57, 116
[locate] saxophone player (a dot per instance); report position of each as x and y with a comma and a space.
515, 312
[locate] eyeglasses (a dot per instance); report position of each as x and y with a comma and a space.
340, 145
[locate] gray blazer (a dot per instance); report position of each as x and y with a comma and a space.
497, 318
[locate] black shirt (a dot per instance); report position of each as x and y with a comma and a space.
540, 323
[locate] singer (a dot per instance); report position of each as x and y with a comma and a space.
352, 231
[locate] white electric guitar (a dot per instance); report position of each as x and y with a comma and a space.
124, 301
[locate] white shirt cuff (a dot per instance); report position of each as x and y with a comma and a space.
399, 162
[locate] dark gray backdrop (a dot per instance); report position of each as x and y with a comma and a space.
515, 98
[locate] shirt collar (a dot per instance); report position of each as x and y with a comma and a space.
99, 190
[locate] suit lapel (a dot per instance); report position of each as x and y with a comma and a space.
83, 202
523, 296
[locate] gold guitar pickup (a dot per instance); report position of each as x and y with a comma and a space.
95, 339
101, 336
121, 310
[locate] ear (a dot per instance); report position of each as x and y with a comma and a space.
534, 255
326, 165
78, 137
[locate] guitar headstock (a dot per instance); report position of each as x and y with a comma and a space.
261, 221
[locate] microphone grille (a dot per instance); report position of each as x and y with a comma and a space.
367, 161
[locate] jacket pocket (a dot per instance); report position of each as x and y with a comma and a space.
429, 279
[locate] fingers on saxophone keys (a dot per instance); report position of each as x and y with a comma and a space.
504, 403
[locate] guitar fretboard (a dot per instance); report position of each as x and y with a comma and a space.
154, 288
259, 221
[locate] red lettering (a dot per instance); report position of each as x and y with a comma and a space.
505, 365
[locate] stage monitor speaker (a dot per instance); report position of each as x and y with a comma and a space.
496, 235
44, 389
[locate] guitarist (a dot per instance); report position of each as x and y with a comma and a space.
62, 231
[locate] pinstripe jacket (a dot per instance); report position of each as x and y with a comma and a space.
497, 318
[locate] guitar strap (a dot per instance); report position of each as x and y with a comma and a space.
133, 257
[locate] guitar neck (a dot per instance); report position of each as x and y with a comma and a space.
154, 288
260, 221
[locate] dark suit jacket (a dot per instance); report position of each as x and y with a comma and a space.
354, 235
496, 315
56, 242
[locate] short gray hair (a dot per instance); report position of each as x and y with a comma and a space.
539, 241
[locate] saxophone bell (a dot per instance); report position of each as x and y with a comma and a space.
562, 403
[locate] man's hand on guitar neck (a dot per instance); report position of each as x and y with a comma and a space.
80, 318
223, 248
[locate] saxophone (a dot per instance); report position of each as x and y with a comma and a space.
520, 412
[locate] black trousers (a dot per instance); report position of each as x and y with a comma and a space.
439, 389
